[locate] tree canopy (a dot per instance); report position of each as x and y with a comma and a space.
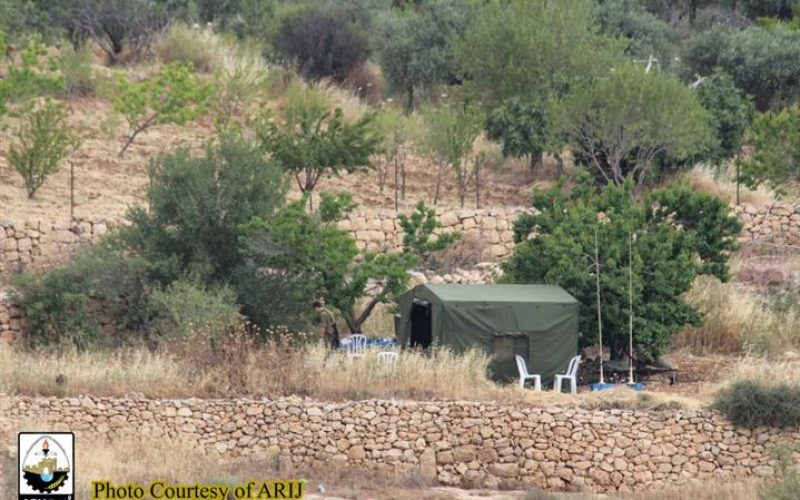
621, 122
665, 257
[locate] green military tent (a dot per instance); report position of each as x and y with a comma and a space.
538, 322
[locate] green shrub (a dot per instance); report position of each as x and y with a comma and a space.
323, 42
184, 309
43, 139
56, 308
67, 305
788, 489
76, 66
417, 231
196, 205
37, 73
182, 44
752, 404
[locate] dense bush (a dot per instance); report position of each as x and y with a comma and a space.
76, 66
753, 404
68, 305
775, 140
414, 46
196, 205
665, 259
765, 64
56, 308
731, 113
323, 42
647, 34
522, 128
185, 45
185, 309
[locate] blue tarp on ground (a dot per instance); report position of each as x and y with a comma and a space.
384, 343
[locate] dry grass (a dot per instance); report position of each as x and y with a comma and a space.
723, 184
738, 321
237, 367
764, 371
715, 489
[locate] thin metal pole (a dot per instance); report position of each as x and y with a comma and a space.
599, 314
630, 305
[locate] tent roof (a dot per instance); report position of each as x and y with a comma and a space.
502, 293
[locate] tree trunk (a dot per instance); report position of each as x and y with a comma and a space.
410, 103
559, 164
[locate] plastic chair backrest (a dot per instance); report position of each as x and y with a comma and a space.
572, 368
387, 357
521, 366
358, 342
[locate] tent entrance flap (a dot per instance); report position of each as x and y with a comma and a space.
505, 346
421, 324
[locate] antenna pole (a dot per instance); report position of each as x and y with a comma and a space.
599, 314
630, 306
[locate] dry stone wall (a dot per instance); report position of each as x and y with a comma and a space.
379, 230
40, 244
777, 223
469, 444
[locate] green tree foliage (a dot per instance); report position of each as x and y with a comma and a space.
418, 229
647, 35
323, 42
184, 308
619, 124
565, 47
196, 205
68, 305
414, 46
731, 114
44, 138
313, 250
775, 140
447, 137
175, 95
517, 76
34, 73
665, 260
708, 227
522, 128
312, 140
765, 64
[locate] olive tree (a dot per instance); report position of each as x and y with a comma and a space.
619, 124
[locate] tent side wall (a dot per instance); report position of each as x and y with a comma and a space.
545, 333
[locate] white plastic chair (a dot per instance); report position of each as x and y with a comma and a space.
357, 345
387, 357
524, 375
571, 374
